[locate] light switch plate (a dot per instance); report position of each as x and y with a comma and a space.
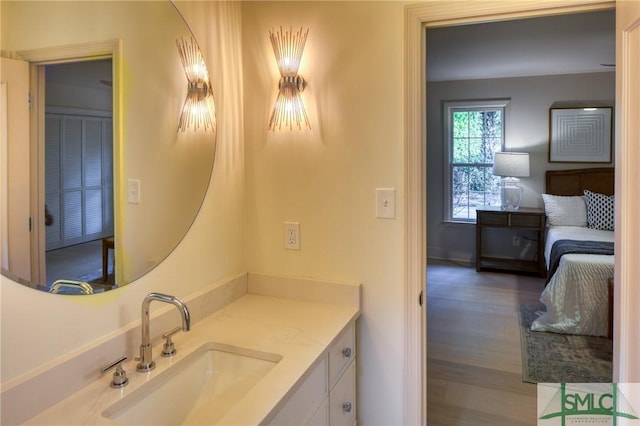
133, 191
386, 203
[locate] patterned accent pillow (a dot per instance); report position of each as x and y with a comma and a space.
600, 210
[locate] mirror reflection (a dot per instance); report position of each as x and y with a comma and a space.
79, 174
115, 186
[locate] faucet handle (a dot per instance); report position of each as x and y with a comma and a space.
169, 348
120, 375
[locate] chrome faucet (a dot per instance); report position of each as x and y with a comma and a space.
146, 358
82, 286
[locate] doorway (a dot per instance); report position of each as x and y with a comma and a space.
78, 170
417, 19
531, 75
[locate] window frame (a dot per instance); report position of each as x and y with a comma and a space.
448, 108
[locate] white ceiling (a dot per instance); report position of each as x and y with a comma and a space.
563, 44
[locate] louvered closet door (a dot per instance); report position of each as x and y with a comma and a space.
79, 188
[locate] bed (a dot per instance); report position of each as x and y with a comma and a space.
577, 296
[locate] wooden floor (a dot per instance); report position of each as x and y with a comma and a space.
474, 364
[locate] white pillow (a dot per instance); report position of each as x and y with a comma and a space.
563, 210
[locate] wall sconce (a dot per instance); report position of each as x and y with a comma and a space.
289, 109
195, 111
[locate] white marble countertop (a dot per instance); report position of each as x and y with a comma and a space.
298, 331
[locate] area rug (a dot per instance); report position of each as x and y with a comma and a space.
561, 358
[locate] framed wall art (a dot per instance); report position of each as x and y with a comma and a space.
580, 135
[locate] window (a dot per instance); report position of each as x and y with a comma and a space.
475, 130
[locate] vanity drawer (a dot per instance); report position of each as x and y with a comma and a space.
342, 351
342, 399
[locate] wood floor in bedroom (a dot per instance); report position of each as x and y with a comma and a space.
474, 364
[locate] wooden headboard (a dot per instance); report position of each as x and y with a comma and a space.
574, 182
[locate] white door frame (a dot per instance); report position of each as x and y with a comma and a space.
417, 18
626, 338
14, 176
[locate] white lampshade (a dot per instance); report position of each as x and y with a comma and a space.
511, 164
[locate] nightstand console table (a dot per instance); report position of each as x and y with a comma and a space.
530, 219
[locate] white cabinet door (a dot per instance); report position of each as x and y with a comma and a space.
302, 405
327, 396
321, 417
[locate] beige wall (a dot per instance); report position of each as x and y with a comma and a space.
326, 178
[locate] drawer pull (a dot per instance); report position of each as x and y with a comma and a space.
346, 352
346, 407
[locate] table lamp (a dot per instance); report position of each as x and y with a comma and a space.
511, 166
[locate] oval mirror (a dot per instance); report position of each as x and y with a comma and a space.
100, 184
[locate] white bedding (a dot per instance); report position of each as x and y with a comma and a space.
555, 233
576, 297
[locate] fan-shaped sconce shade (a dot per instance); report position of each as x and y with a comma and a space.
195, 112
289, 110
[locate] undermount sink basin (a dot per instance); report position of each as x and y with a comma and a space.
200, 389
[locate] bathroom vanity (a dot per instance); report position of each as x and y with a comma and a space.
327, 395
303, 331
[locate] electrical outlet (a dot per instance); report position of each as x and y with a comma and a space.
292, 235
516, 240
